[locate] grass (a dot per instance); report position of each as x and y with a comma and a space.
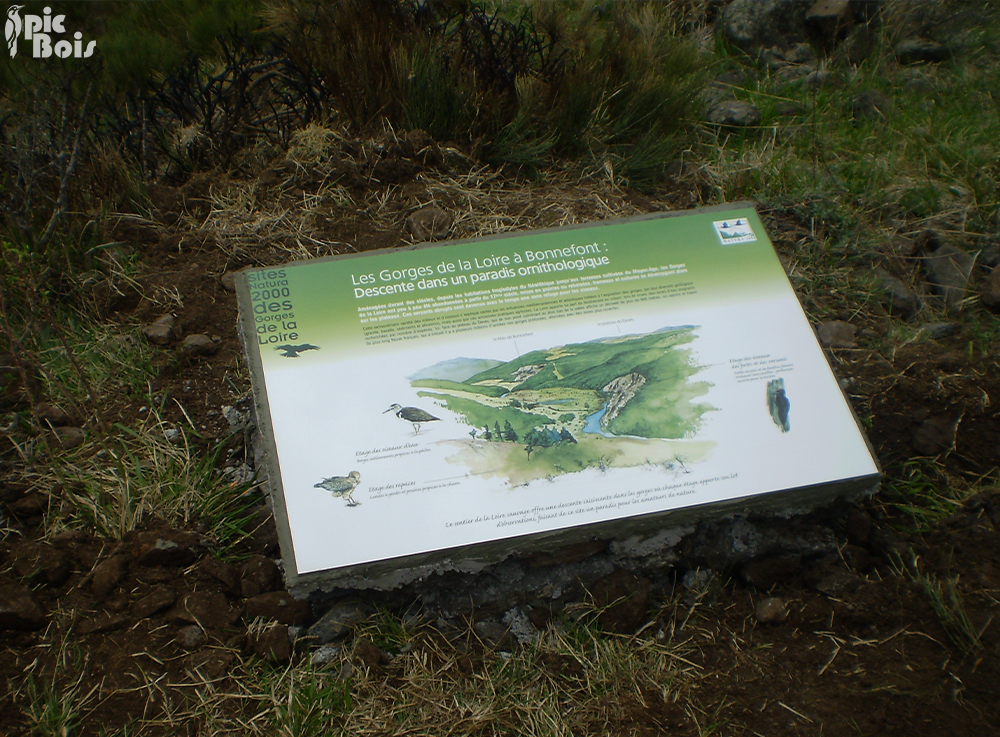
948, 604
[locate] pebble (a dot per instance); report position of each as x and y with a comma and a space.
920, 50
837, 334
428, 224
69, 437
734, 113
771, 610
162, 330
191, 637
199, 344
949, 270
338, 621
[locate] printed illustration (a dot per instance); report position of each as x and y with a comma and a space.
413, 415
293, 351
618, 401
778, 404
342, 486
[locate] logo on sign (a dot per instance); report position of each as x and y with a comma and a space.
737, 230
43, 32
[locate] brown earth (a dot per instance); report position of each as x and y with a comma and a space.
861, 652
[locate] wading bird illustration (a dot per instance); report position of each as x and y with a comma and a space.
13, 29
414, 415
342, 486
778, 404
293, 351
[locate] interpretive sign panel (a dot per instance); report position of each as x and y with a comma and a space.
441, 398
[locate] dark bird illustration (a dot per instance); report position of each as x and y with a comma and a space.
293, 351
778, 404
414, 415
342, 486
13, 29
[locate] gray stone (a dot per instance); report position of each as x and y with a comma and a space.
801, 53
751, 24
191, 637
949, 270
324, 655
829, 16
990, 293
162, 330
870, 105
69, 437
108, 574
939, 330
428, 224
897, 298
520, 626
154, 602
199, 344
935, 435
18, 609
771, 610
837, 334
338, 621
989, 255
734, 113
920, 50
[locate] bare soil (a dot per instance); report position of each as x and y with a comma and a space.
861, 652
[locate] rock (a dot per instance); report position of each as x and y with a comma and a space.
989, 255
771, 610
213, 664
108, 574
773, 570
273, 645
870, 105
323, 655
935, 435
520, 626
163, 330
208, 609
897, 298
68, 437
228, 281
52, 415
279, 606
920, 50
751, 24
173, 549
101, 623
949, 270
939, 330
831, 579
801, 53
191, 637
221, 571
430, 223
734, 113
622, 599
259, 576
18, 608
732, 78
829, 19
990, 293
338, 621
199, 344
371, 655
12, 390
156, 601
39, 564
836, 334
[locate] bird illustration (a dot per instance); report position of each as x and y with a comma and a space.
342, 486
293, 351
13, 29
412, 414
778, 404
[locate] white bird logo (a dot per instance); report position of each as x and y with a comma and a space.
13, 29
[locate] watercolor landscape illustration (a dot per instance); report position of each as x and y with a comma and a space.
612, 402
